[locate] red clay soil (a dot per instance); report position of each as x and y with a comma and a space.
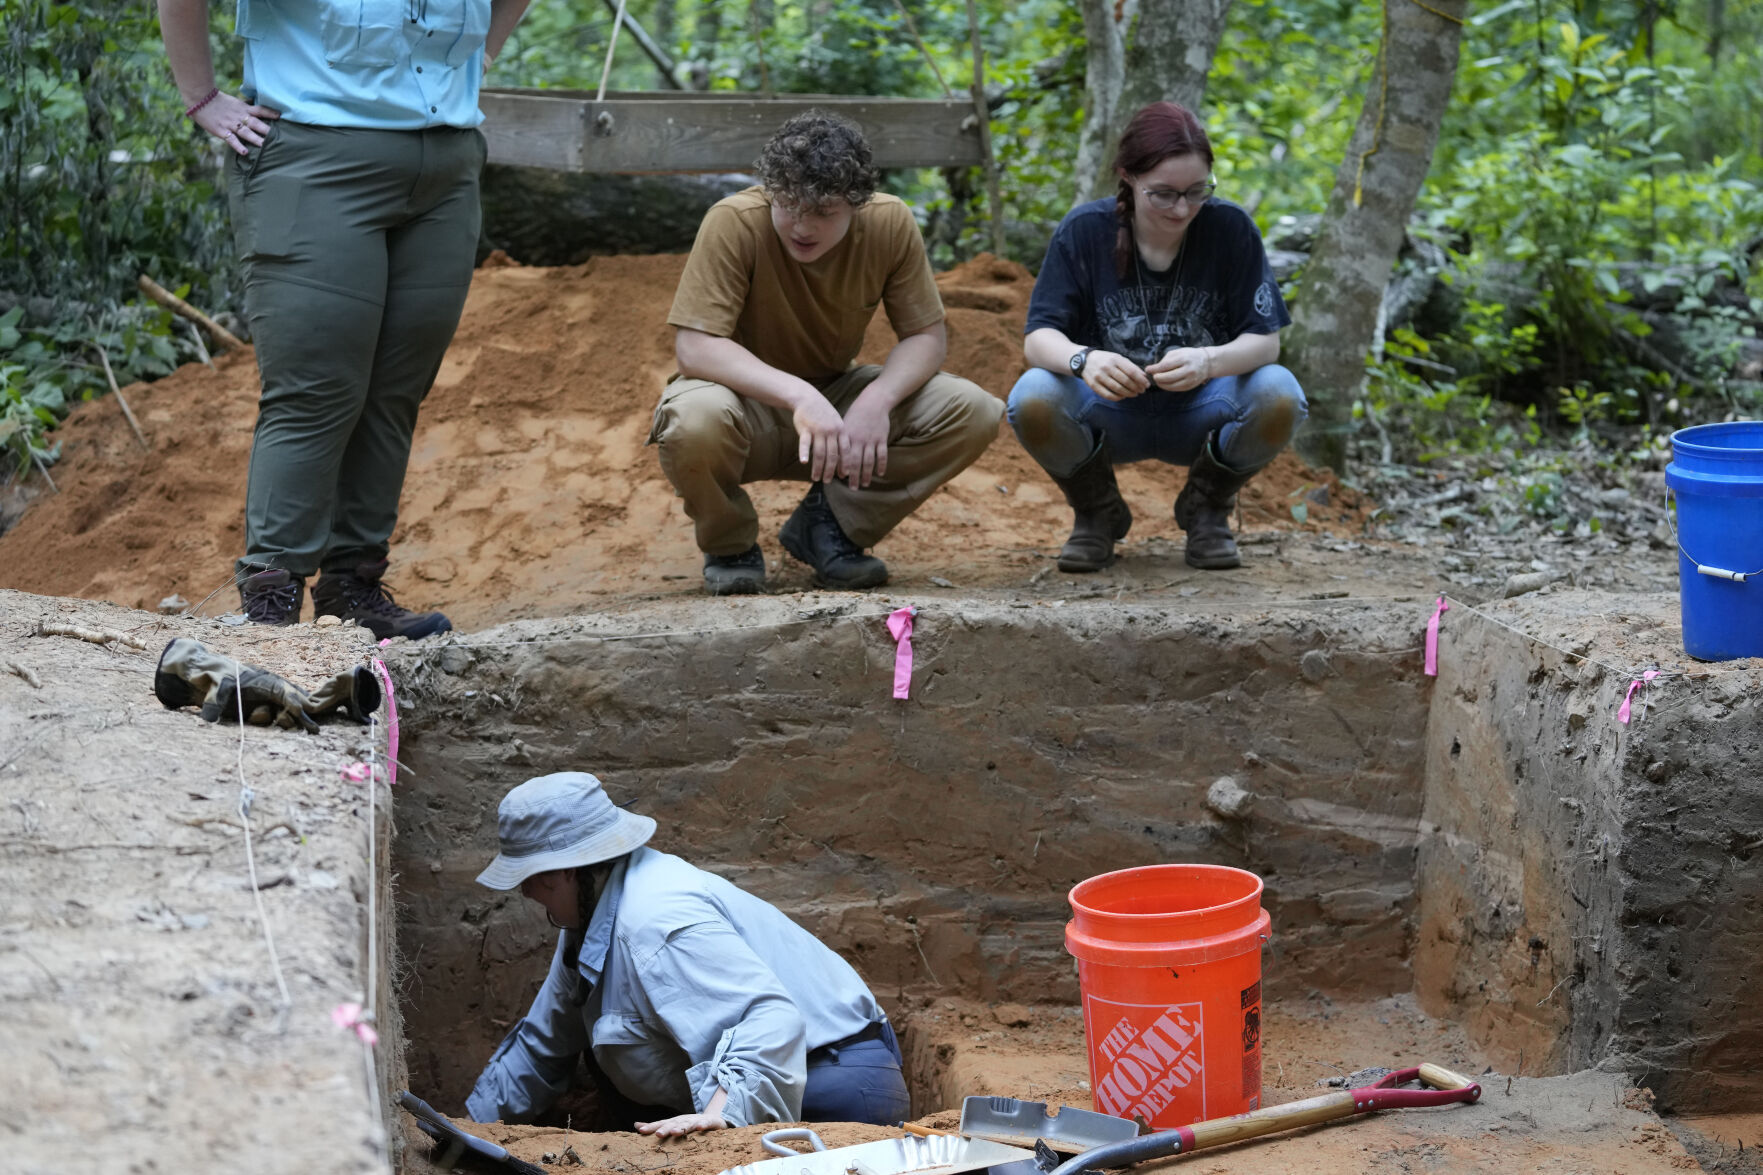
531, 490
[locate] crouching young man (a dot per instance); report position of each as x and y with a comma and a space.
770, 312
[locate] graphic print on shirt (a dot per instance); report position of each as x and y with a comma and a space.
1146, 322
1150, 1061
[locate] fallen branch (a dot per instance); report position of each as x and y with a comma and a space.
1455, 493
96, 636
44, 470
222, 336
128, 413
19, 669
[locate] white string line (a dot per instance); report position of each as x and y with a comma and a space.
425, 651
246, 795
1618, 670
373, 881
370, 1014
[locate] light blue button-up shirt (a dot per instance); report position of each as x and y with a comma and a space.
379, 64
700, 985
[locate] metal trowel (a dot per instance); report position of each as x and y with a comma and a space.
1018, 1123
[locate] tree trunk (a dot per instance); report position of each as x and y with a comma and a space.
706, 30
1342, 285
541, 217
1138, 52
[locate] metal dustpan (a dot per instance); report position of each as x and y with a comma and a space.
1020, 1123
937, 1154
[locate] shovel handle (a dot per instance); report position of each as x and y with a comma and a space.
1447, 1087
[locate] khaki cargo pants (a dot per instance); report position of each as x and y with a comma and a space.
714, 440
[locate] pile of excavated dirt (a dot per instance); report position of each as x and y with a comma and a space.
531, 490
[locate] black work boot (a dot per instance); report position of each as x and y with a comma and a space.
1103, 517
815, 537
735, 575
1203, 510
272, 596
359, 595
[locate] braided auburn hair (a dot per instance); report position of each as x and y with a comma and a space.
1157, 132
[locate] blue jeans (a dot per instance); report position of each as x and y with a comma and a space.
860, 1082
1057, 417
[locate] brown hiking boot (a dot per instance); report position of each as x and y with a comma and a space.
1102, 515
272, 596
1203, 510
358, 595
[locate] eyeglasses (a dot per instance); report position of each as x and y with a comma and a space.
1167, 198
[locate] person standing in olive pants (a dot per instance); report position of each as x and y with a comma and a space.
353, 186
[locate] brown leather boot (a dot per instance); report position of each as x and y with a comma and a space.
1102, 516
1203, 510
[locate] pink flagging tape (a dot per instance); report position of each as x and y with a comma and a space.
379, 667
357, 773
1432, 637
900, 625
1633, 687
351, 1018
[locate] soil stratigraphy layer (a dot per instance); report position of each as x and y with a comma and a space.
531, 489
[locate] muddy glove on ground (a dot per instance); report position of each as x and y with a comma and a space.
190, 672
356, 693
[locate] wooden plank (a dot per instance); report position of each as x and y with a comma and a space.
533, 132
659, 132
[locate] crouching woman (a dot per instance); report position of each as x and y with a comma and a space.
1153, 334
698, 1005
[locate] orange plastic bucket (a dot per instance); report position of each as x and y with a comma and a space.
1169, 961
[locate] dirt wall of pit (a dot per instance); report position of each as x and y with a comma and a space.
144, 1024
931, 841
1592, 892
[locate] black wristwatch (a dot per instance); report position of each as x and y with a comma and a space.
1078, 360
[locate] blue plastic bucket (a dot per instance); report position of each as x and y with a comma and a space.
1717, 473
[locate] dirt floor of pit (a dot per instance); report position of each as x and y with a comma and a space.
141, 1021
531, 491
1585, 1123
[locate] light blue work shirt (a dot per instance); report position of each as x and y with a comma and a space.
700, 984
376, 64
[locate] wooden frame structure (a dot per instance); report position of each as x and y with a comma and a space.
652, 132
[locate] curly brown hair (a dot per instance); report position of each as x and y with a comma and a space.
815, 159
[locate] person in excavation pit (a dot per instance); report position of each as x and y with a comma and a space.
698, 1005
1152, 334
770, 312
352, 168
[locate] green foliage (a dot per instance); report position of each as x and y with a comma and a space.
101, 178
1595, 216
1595, 192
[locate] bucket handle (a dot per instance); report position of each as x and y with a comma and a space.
1701, 567
774, 1141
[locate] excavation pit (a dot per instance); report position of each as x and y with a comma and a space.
1486, 869
1491, 850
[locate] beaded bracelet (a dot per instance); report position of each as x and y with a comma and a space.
206, 99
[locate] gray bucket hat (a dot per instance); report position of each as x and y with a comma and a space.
560, 821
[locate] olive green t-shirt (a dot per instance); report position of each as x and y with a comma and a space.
806, 319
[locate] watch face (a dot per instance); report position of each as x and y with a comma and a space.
1077, 362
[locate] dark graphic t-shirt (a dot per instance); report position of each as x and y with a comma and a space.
1218, 288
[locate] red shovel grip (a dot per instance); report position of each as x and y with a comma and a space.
1447, 1088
